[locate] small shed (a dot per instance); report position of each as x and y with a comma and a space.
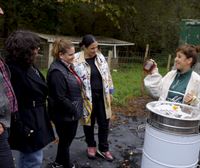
106, 45
190, 31
190, 34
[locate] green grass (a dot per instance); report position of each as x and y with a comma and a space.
44, 72
128, 82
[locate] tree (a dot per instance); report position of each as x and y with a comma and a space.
140, 21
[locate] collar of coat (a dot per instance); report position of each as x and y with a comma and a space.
81, 57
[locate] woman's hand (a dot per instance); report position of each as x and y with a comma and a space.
1, 128
155, 68
189, 98
150, 67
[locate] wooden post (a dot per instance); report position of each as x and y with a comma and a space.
50, 58
143, 73
169, 62
146, 52
110, 54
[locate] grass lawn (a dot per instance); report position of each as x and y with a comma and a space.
44, 72
128, 82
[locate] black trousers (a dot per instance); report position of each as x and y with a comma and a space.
99, 114
66, 132
6, 159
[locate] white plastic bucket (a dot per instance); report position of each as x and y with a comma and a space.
165, 150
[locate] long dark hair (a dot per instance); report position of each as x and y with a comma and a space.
20, 46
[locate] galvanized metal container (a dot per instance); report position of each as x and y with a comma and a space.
172, 138
174, 124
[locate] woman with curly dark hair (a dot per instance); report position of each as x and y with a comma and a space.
30, 127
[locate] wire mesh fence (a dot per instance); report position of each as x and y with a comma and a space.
124, 59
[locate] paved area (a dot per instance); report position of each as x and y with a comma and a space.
126, 141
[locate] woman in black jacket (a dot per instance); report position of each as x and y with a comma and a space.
31, 129
65, 101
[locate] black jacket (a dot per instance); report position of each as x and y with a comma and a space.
65, 100
31, 129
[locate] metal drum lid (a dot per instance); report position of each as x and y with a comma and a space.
174, 118
174, 110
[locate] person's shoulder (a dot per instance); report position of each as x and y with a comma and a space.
172, 72
14, 67
55, 62
79, 57
195, 75
56, 65
101, 57
54, 74
99, 54
79, 54
170, 75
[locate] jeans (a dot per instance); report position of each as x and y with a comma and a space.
99, 114
31, 160
6, 159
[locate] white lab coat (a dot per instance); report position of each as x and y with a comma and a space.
158, 86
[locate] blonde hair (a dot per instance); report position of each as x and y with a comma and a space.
60, 46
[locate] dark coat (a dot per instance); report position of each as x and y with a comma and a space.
65, 100
31, 129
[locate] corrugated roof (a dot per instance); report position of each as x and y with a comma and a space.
101, 40
191, 21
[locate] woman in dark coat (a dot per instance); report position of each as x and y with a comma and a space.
30, 127
64, 99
